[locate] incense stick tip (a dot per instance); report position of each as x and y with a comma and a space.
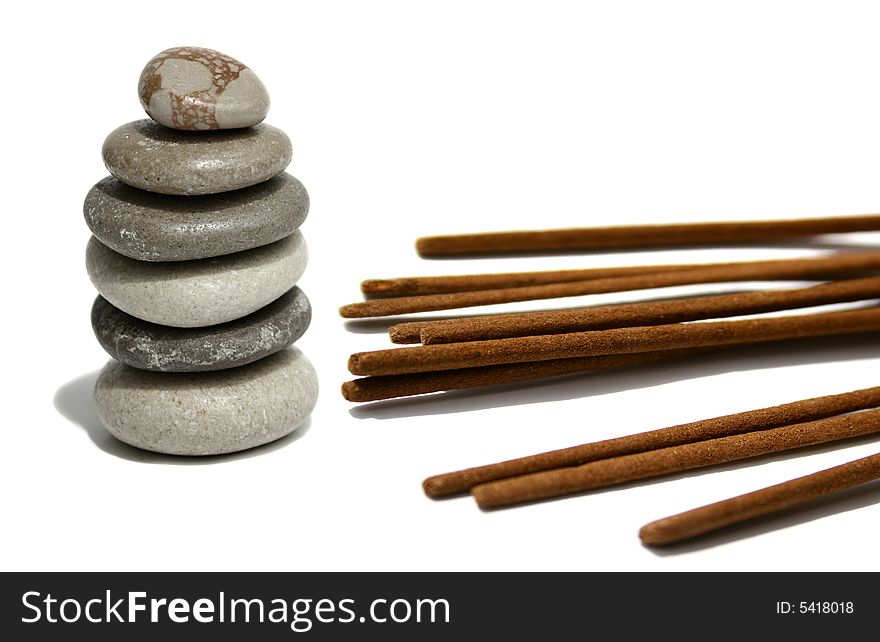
381, 288
353, 311
484, 497
403, 333
433, 487
373, 285
350, 391
354, 363
654, 534
423, 244
442, 486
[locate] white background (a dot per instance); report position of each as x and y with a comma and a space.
412, 118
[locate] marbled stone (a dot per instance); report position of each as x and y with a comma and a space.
207, 413
151, 157
198, 89
150, 346
197, 293
158, 227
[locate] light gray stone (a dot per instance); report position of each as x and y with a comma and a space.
194, 88
158, 227
151, 346
190, 294
207, 413
151, 157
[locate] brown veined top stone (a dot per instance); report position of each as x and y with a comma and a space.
157, 227
150, 346
151, 157
193, 88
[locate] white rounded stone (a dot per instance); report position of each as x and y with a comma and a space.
188, 294
207, 413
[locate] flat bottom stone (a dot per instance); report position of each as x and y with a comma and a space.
207, 413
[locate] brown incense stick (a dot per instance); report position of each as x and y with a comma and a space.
855, 263
640, 236
632, 314
795, 412
392, 386
709, 518
470, 354
617, 470
419, 285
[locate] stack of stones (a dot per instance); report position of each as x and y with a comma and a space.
196, 254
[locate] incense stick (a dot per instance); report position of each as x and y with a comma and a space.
798, 491
640, 236
419, 285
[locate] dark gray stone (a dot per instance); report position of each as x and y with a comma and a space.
150, 346
157, 227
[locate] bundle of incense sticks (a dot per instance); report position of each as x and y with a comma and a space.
684, 447
475, 351
497, 349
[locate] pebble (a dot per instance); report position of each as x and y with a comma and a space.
194, 88
150, 346
207, 413
197, 293
151, 157
157, 227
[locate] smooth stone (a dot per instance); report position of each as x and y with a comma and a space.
158, 227
150, 346
189, 294
207, 413
151, 157
194, 88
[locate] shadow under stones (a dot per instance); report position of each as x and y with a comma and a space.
75, 402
